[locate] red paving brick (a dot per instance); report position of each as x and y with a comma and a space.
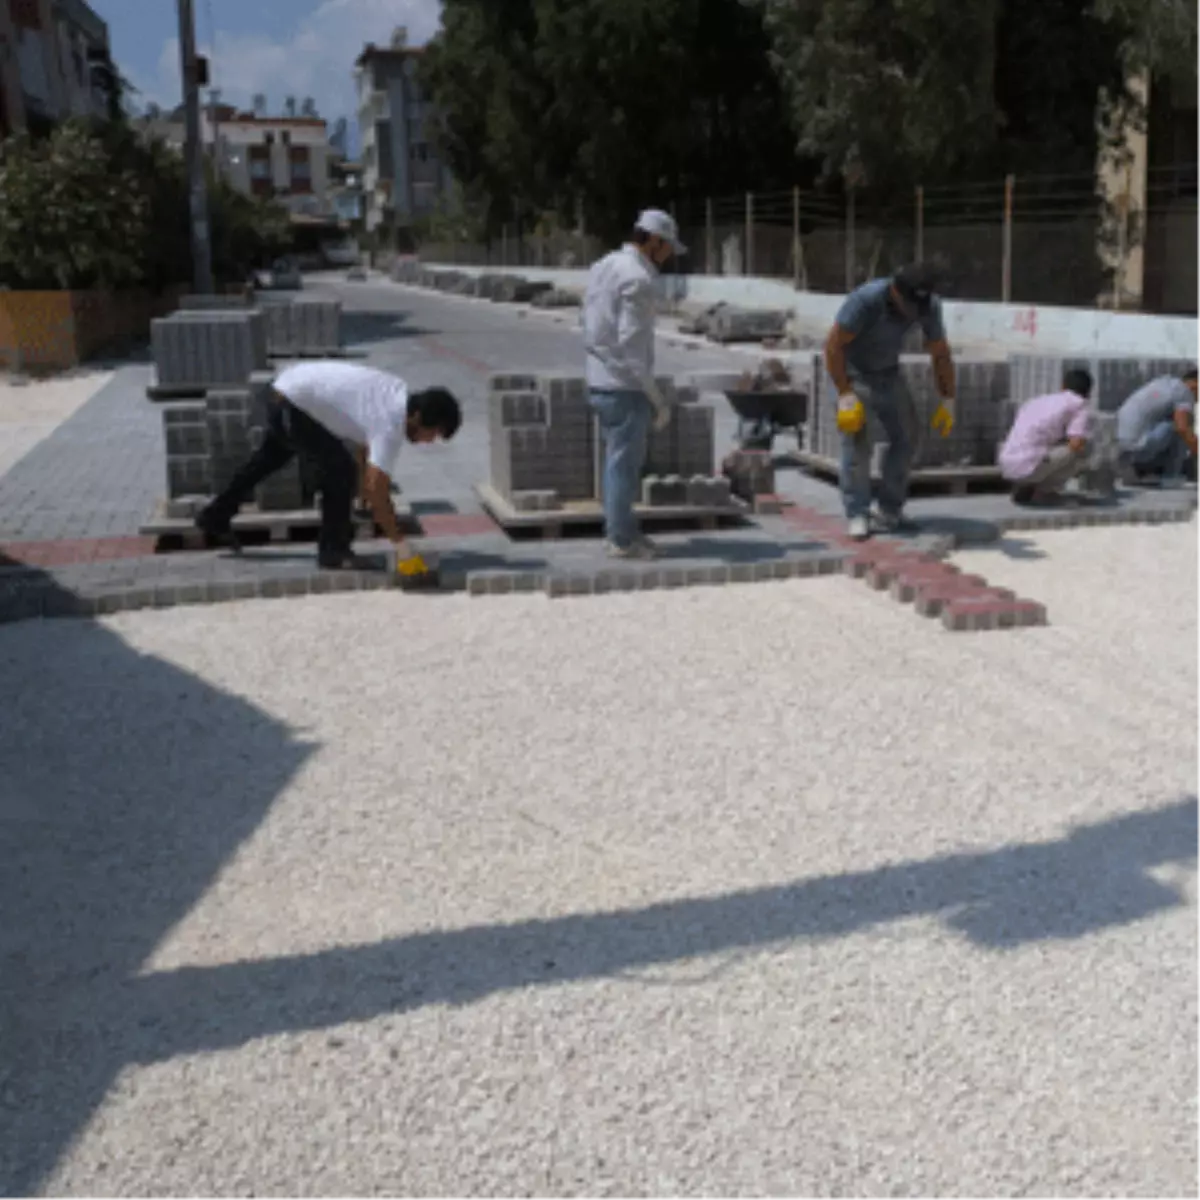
457, 524
986, 613
64, 552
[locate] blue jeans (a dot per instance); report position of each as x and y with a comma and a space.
624, 418
1161, 451
885, 397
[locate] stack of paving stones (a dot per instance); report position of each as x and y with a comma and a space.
981, 389
1115, 377
195, 350
306, 327
730, 324
751, 476
547, 451
208, 440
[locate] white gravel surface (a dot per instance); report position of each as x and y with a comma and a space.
32, 411
763, 889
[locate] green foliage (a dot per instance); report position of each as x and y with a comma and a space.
70, 217
96, 205
600, 107
937, 91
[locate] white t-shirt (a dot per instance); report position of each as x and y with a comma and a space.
358, 404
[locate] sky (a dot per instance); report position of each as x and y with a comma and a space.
281, 48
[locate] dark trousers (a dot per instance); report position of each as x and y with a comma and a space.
291, 432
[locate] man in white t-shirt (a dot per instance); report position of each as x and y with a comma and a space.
314, 410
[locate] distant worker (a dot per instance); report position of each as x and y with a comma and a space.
862, 356
618, 316
315, 408
1156, 429
1047, 445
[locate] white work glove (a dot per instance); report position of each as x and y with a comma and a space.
662, 410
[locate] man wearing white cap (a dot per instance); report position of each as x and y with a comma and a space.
618, 328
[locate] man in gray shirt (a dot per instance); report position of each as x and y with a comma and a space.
862, 357
1156, 428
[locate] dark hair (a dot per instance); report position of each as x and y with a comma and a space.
1079, 381
1189, 376
436, 408
639, 237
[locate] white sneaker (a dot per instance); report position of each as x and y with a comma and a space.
639, 548
860, 528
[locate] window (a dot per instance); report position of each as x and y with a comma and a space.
269, 138
301, 169
285, 137
259, 161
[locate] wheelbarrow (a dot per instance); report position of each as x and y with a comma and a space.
763, 415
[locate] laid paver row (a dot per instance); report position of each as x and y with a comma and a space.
915, 573
937, 588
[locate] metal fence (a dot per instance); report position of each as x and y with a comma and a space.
1030, 240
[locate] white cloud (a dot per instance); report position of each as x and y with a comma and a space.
316, 60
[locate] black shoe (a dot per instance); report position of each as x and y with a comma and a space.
217, 535
1023, 494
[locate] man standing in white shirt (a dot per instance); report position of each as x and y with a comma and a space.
315, 408
618, 326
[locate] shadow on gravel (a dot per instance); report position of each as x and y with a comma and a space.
1094, 879
126, 785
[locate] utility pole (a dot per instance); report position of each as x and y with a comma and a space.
202, 281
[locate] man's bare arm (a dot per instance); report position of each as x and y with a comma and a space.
1187, 431
362, 476
378, 488
943, 367
835, 357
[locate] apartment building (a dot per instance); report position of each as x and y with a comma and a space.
55, 63
403, 176
284, 158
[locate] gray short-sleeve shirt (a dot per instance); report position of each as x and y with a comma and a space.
879, 329
1151, 405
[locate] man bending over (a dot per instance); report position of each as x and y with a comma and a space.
314, 409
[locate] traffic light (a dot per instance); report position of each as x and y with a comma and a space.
201, 70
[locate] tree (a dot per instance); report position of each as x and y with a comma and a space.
96, 205
70, 217
938, 91
605, 105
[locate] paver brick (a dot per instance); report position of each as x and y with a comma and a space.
991, 613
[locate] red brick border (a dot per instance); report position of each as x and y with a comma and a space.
933, 587
64, 552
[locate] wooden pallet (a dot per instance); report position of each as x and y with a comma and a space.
165, 395
257, 527
952, 481
336, 352
588, 515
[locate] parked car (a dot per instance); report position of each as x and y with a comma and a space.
283, 276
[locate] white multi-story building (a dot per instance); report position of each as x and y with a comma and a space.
55, 63
284, 158
403, 176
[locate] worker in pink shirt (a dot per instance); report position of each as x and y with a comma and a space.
1047, 445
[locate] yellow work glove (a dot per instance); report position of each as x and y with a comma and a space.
943, 419
408, 567
851, 416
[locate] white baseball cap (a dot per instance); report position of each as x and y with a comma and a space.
661, 224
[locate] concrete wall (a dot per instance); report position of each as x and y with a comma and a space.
1027, 329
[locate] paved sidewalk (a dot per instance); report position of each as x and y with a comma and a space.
71, 507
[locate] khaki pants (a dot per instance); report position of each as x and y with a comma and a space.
1055, 471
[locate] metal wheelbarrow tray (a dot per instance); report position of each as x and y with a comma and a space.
762, 415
